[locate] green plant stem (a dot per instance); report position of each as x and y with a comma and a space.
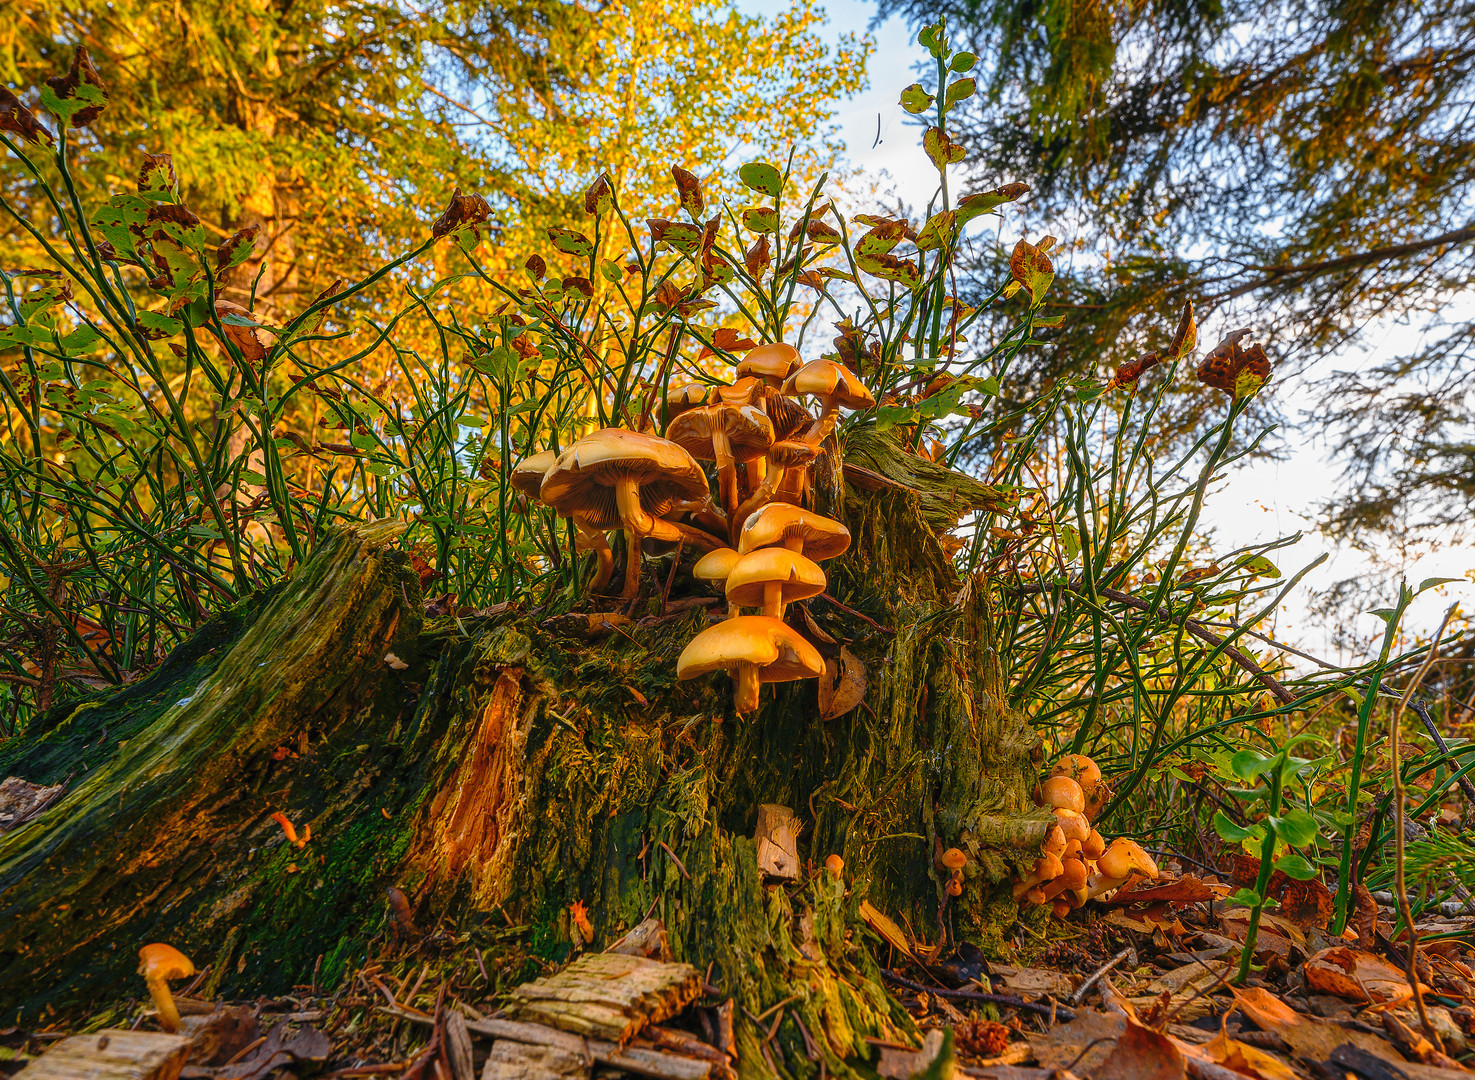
1267, 867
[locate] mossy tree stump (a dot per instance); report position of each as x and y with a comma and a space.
513, 768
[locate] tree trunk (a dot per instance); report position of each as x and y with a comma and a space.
515, 767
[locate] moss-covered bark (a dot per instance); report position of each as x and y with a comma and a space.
512, 769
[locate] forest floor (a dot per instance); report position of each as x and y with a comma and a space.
1140, 987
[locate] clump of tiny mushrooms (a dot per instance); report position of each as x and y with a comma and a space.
1075, 862
759, 542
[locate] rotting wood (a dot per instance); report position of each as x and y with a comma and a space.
521, 1061
778, 848
112, 1054
608, 995
644, 1062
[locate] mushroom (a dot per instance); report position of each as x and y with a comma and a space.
715, 566
1079, 768
1093, 845
834, 864
1073, 876
769, 578
158, 963
783, 456
1074, 825
1047, 868
725, 434
682, 398
1062, 793
835, 385
631, 476
1117, 863
952, 862
954, 886
756, 649
527, 477
773, 363
795, 528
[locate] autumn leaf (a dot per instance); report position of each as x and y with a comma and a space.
465, 213
690, 190
1032, 268
914, 99
728, 340
762, 178
19, 120
236, 248
157, 174
599, 196
942, 148
77, 97
761, 219
571, 242
676, 235
757, 257
971, 206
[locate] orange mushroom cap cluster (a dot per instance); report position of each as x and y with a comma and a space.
1076, 863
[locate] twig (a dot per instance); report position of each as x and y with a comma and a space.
851, 611
667, 849
1423, 714
974, 995
1080, 994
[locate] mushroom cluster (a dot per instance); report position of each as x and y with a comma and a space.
1075, 862
759, 541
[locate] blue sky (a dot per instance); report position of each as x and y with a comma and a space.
1254, 503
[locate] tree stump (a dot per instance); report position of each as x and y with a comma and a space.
513, 768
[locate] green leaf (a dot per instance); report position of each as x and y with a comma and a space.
762, 177
1247, 764
890, 416
1294, 866
942, 148
1258, 565
963, 61
159, 323
1228, 830
940, 229
1297, 828
761, 219
1435, 582
1387, 614
914, 99
571, 242
80, 340
1247, 897
981, 202
1070, 536
961, 90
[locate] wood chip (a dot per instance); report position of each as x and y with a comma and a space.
608, 995
112, 1054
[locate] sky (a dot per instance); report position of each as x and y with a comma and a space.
1256, 502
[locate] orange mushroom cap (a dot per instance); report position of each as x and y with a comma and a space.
1063, 793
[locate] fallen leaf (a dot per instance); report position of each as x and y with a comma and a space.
1248, 1060
1356, 976
885, 928
1186, 890
1061, 1047
1142, 1054
1307, 903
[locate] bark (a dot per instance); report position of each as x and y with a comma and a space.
515, 767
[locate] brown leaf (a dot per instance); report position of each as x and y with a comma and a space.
157, 173
1070, 1045
81, 73
225, 254
1142, 1054
1356, 976
1186, 890
19, 120
843, 685
757, 257
1307, 903
1236, 371
1365, 920
536, 266
1132, 370
690, 190
600, 195
242, 337
464, 211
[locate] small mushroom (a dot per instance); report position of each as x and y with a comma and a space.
1079, 768
834, 864
790, 454
769, 578
1072, 876
158, 963
715, 566
681, 398
527, 477
638, 477
812, 536
1047, 868
1074, 825
952, 859
954, 886
773, 363
724, 434
756, 649
1121, 860
1093, 845
1062, 793
835, 385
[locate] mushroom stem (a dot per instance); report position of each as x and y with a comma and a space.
745, 684
594, 540
163, 1004
773, 599
726, 467
637, 526
821, 428
761, 494
795, 543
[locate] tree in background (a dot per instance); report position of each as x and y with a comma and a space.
342, 129
1307, 165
